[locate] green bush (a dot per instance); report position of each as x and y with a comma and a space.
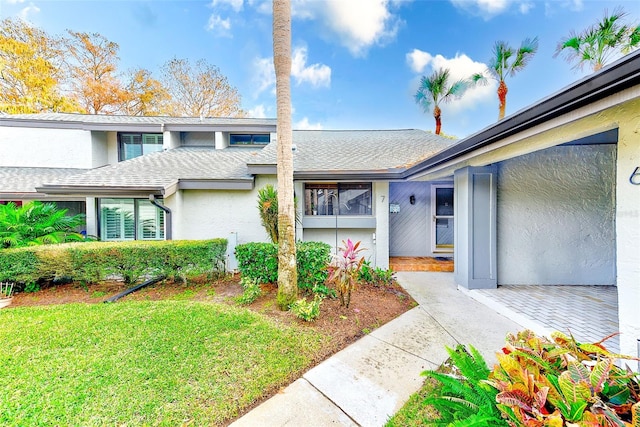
259, 261
95, 261
378, 277
250, 291
312, 259
307, 310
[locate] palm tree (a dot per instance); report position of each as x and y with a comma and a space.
287, 272
435, 89
37, 223
507, 62
601, 42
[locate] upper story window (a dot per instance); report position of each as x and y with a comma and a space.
246, 139
338, 199
137, 144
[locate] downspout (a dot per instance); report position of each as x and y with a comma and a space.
167, 218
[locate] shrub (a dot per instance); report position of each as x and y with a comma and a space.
463, 397
92, 262
312, 259
378, 277
37, 223
344, 270
307, 310
259, 261
250, 291
564, 382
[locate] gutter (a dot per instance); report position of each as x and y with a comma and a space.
168, 235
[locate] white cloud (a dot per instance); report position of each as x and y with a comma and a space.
258, 112
318, 75
487, 9
28, 11
418, 60
305, 125
236, 5
264, 75
220, 27
15, 1
460, 67
357, 24
550, 7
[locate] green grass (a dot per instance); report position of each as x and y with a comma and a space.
142, 363
415, 413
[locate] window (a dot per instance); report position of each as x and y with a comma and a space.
338, 199
130, 219
255, 139
132, 145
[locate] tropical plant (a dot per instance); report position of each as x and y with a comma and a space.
600, 42
268, 208
287, 272
507, 61
251, 291
376, 276
307, 310
37, 223
463, 397
344, 270
560, 382
436, 89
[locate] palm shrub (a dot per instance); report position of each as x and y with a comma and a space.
561, 382
463, 397
268, 208
344, 270
37, 223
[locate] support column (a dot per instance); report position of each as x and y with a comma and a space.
475, 227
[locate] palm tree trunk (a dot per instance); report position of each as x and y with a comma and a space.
502, 97
436, 115
287, 272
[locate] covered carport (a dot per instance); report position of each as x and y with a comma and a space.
550, 195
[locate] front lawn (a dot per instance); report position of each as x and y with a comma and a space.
143, 362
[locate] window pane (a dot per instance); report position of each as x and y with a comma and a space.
150, 221
444, 233
117, 219
355, 199
321, 199
261, 139
240, 139
444, 201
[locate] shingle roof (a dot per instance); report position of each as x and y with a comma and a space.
119, 119
25, 180
358, 150
164, 169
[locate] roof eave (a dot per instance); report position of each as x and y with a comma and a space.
349, 175
216, 184
104, 191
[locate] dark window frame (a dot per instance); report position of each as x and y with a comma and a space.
252, 139
141, 143
334, 199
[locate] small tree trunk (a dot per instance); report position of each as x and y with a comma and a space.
436, 115
502, 97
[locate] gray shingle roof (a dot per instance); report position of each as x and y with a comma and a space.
166, 168
358, 150
25, 180
129, 120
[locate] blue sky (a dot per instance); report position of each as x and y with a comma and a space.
356, 63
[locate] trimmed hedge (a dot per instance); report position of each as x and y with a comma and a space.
93, 262
259, 261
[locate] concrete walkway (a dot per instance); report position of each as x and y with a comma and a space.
367, 382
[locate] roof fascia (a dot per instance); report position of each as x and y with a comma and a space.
93, 191
265, 169
621, 75
216, 184
361, 175
219, 128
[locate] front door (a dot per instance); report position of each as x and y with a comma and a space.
442, 218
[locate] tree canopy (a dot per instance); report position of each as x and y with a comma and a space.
79, 72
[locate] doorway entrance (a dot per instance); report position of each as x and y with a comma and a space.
442, 218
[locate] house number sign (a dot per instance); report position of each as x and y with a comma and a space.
635, 176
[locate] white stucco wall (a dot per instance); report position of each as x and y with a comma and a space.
99, 149
364, 235
628, 230
555, 217
204, 214
43, 147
